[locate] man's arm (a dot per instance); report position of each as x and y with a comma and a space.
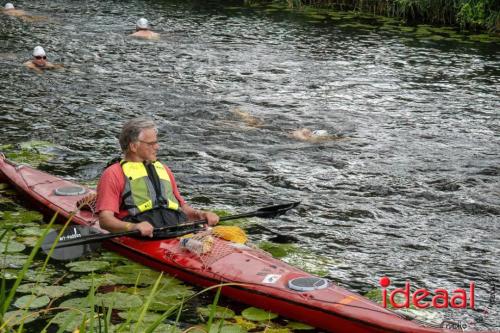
195, 214
108, 221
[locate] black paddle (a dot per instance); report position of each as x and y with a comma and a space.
72, 243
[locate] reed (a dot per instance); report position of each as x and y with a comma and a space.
466, 14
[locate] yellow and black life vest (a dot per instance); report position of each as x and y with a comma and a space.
147, 187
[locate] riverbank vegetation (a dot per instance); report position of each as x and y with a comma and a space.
466, 14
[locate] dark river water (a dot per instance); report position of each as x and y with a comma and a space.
410, 190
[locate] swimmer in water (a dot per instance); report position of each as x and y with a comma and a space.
39, 61
10, 10
305, 134
249, 120
142, 30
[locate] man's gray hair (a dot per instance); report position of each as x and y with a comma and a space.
132, 129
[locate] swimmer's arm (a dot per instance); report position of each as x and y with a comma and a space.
30, 65
54, 66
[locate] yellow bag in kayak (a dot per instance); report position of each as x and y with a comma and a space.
231, 233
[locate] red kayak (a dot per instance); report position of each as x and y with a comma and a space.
263, 281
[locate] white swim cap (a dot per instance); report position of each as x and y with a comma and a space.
9, 6
38, 51
142, 23
320, 132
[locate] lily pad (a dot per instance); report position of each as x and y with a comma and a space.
86, 282
11, 246
177, 291
28, 241
30, 231
28, 288
15, 318
31, 302
22, 217
256, 314
8, 274
87, 266
220, 312
112, 257
164, 304
133, 316
38, 276
118, 301
130, 274
54, 291
295, 325
12, 260
71, 320
80, 303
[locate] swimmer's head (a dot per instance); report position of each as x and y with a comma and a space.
8, 6
38, 51
319, 132
142, 24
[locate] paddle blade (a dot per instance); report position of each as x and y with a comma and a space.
276, 210
68, 252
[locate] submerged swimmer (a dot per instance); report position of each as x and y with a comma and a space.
9, 9
142, 30
39, 61
305, 134
249, 120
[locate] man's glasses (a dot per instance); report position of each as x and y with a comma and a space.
151, 144
40, 57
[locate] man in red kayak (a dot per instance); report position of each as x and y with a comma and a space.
140, 193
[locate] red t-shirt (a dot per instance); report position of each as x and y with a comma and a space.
111, 186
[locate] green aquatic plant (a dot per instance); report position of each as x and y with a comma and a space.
302, 258
278, 250
31, 302
465, 14
11, 246
220, 312
256, 314
41, 289
33, 152
87, 266
118, 300
6, 298
21, 218
246, 324
296, 326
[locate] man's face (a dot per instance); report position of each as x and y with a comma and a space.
40, 61
147, 146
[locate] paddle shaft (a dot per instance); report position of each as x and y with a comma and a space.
177, 230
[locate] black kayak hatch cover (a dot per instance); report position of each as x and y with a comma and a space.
70, 190
307, 283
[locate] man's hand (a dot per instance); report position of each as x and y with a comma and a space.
211, 218
144, 227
